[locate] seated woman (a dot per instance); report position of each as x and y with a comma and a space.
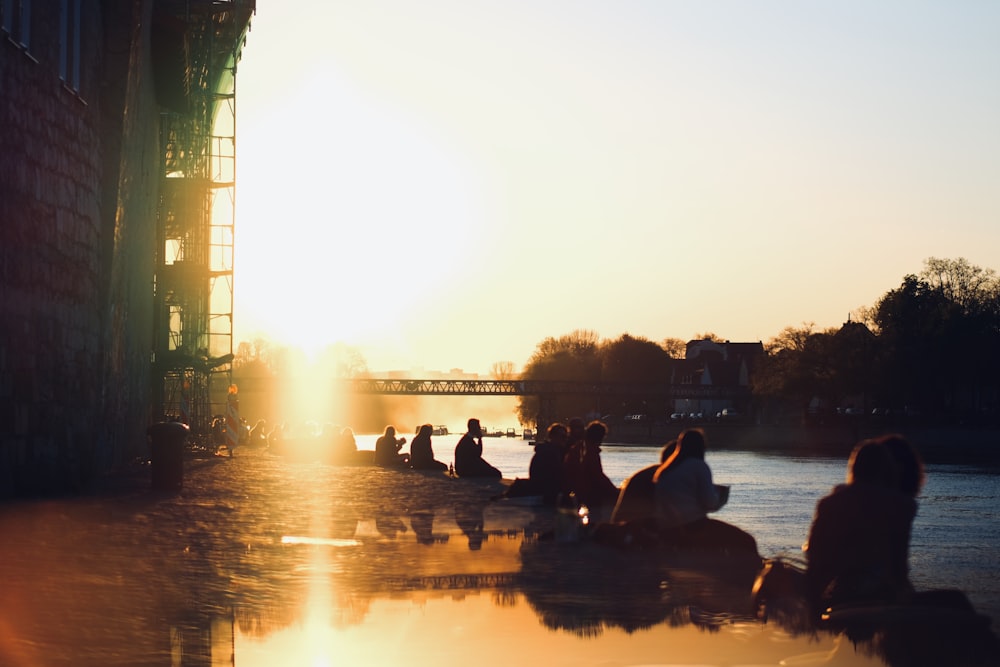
387, 450
685, 494
421, 451
859, 539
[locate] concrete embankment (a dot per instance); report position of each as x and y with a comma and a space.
979, 446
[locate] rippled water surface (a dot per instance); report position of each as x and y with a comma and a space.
264, 560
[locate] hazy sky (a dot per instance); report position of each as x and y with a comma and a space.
443, 184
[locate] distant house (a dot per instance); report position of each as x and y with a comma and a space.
722, 365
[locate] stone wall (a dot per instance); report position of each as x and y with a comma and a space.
78, 181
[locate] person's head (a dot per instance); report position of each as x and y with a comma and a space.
691, 444
576, 429
668, 450
425, 430
556, 433
390, 431
871, 463
595, 432
474, 427
909, 465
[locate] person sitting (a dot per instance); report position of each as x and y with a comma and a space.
387, 449
637, 499
685, 494
345, 447
469, 461
545, 469
633, 518
583, 473
421, 451
858, 543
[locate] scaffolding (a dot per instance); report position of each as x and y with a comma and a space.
198, 47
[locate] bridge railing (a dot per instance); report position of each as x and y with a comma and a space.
534, 388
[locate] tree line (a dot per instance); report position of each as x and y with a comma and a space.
928, 349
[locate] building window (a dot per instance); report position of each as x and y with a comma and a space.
69, 43
15, 18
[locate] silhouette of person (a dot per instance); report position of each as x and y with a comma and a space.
583, 473
387, 450
469, 461
545, 471
858, 543
471, 519
577, 429
685, 494
422, 523
909, 465
422, 452
637, 498
345, 447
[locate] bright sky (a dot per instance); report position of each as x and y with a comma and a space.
445, 183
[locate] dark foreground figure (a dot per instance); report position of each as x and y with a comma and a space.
856, 576
469, 461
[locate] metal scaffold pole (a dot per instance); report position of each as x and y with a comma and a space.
193, 287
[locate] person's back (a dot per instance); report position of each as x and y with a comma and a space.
685, 493
345, 447
637, 498
422, 451
583, 472
545, 468
387, 449
684, 489
859, 538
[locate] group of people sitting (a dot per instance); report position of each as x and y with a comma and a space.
667, 502
568, 463
469, 461
858, 544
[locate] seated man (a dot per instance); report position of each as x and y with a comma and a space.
469, 461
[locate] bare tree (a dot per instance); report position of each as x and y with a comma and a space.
961, 282
503, 370
675, 347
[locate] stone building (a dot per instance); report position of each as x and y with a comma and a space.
87, 87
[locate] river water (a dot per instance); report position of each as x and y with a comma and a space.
956, 535
262, 560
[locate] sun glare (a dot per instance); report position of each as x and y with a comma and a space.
346, 232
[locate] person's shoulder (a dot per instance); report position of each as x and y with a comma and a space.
645, 473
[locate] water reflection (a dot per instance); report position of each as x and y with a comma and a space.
257, 562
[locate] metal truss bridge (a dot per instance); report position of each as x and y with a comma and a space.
534, 388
